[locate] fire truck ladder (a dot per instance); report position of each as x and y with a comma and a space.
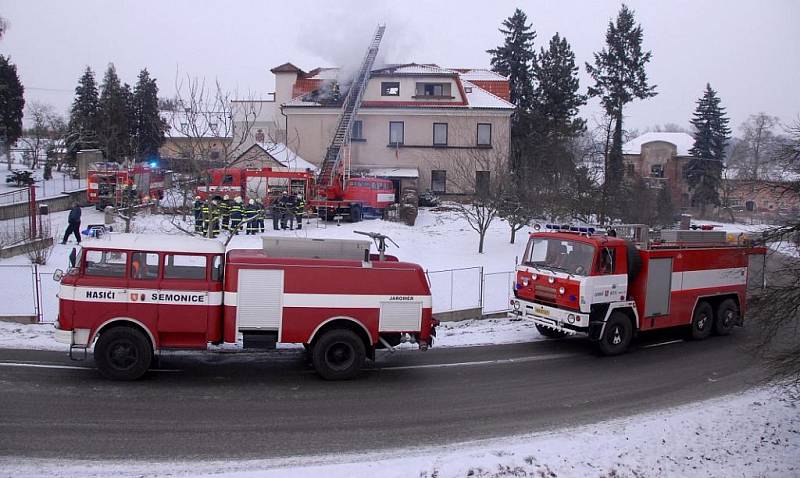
341, 139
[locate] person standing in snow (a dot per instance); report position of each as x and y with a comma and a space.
73, 223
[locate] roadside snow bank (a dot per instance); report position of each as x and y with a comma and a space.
756, 433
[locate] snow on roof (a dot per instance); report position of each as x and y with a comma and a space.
156, 243
683, 142
414, 69
393, 172
481, 74
477, 97
286, 156
323, 74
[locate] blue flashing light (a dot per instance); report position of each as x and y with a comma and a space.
153, 164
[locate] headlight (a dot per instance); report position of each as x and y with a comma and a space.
534, 276
551, 280
571, 318
525, 281
561, 290
516, 305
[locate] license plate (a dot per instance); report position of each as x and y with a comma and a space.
541, 311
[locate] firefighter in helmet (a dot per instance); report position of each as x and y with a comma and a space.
275, 207
225, 211
206, 217
250, 215
215, 217
287, 210
262, 212
198, 215
236, 214
299, 210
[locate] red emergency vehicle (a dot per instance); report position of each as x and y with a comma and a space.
111, 185
572, 281
264, 184
132, 296
358, 198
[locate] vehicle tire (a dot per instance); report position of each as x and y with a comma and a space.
338, 355
634, 260
123, 353
355, 213
702, 321
727, 316
550, 333
617, 334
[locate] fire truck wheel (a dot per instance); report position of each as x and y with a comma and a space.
355, 213
617, 335
550, 333
702, 320
727, 317
338, 355
123, 353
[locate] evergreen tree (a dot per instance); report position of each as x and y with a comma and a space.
620, 77
515, 58
556, 99
665, 208
115, 115
149, 127
711, 136
83, 120
12, 103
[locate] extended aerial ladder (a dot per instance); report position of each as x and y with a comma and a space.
332, 175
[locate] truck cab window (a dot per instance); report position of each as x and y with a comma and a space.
105, 263
605, 265
144, 266
185, 266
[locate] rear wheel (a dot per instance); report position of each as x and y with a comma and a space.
550, 333
338, 355
617, 334
702, 321
123, 353
727, 316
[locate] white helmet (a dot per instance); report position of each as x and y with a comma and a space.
251, 202
226, 197
197, 198
238, 199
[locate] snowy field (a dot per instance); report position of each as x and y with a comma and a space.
753, 434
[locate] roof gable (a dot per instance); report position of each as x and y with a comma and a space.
683, 142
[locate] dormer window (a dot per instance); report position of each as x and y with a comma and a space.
390, 88
433, 90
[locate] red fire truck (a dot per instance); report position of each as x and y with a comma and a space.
358, 198
131, 296
264, 184
111, 185
572, 281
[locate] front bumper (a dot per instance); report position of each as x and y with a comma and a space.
77, 337
567, 321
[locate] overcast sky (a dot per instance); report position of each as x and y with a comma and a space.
748, 51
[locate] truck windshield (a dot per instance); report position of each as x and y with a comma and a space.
568, 256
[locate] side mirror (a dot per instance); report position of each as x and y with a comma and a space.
58, 275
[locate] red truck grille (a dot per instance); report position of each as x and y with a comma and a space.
545, 294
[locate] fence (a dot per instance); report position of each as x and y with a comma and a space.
59, 184
470, 288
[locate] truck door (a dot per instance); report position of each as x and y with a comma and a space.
103, 286
143, 276
183, 300
659, 288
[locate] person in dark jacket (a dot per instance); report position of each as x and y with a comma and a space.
250, 215
287, 210
198, 215
299, 210
74, 223
237, 211
276, 212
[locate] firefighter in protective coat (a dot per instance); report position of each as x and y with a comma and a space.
225, 211
275, 207
299, 210
250, 216
198, 215
236, 215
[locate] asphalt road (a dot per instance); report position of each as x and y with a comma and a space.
271, 404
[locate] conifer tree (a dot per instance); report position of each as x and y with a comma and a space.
149, 128
83, 120
515, 58
620, 77
114, 114
556, 99
12, 102
711, 136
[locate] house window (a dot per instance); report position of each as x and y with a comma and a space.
390, 88
184, 126
629, 170
482, 183
358, 130
440, 134
484, 134
657, 171
433, 89
213, 127
439, 181
396, 132
750, 206
214, 155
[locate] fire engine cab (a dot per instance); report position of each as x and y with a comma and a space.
612, 286
131, 296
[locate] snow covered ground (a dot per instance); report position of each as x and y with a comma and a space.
753, 434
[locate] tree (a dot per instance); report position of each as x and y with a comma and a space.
83, 120
3, 27
12, 102
515, 58
114, 115
149, 127
555, 123
750, 157
711, 136
47, 128
620, 77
